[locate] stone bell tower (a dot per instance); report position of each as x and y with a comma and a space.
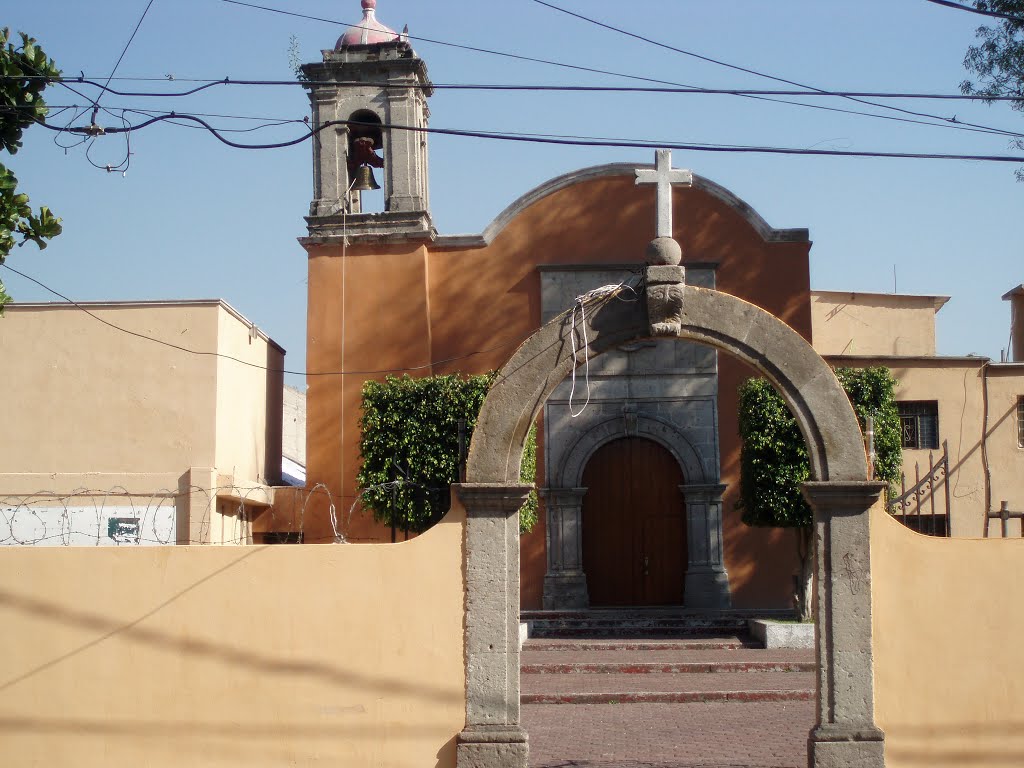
371, 91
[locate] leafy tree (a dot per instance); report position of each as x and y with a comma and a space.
774, 463
998, 59
21, 104
410, 434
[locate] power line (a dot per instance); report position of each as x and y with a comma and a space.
756, 72
257, 366
561, 141
945, 122
127, 46
694, 90
980, 11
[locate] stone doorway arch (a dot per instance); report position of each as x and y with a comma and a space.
839, 494
707, 583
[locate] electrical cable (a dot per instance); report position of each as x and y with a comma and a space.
127, 46
754, 71
948, 122
697, 90
980, 11
536, 139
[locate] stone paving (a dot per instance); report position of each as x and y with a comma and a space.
629, 730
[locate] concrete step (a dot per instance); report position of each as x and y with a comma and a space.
637, 624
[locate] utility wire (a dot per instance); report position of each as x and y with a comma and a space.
127, 46
946, 122
695, 90
562, 141
754, 71
980, 11
257, 366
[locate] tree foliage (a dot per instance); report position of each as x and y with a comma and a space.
24, 70
998, 59
410, 433
773, 458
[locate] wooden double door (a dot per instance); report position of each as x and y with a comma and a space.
634, 525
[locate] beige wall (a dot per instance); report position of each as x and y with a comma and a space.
846, 323
958, 386
1005, 388
341, 655
94, 399
116, 419
947, 616
249, 402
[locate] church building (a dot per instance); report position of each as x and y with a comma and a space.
638, 452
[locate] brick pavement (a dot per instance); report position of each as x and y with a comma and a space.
708, 735
631, 734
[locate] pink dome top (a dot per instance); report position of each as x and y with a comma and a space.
367, 32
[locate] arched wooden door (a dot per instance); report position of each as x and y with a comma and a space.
634, 525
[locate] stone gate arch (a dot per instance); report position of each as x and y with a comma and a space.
839, 493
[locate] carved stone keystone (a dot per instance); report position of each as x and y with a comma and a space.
665, 285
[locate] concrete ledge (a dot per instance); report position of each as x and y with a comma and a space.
782, 634
524, 632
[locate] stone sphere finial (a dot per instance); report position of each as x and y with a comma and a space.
369, 5
663, 251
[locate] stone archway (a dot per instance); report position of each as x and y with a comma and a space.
840, 495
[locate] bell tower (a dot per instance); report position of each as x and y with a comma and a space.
371, 93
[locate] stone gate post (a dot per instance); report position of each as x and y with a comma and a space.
493, 736
845, 734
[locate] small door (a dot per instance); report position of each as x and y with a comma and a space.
634, 525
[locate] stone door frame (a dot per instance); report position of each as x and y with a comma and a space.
565, 582
839, 493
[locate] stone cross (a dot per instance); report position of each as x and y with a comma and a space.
665, 178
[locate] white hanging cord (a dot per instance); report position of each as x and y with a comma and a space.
581, 300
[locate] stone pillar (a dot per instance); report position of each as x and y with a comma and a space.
565, 584
707, 583
493, 736
845, 733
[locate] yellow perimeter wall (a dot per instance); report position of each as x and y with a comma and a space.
344, 655
948, 619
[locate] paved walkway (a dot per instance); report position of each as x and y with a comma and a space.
625, 731
709, 735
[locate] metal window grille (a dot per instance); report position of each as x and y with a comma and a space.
919, 424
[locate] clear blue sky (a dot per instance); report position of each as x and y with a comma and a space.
193, 218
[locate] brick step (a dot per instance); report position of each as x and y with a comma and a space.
711, 642
569, 654
638, 632
667, 697
646, 668
618, 682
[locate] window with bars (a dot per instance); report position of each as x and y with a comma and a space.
919, 423
1020, 421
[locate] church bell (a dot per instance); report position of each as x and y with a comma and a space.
365, 180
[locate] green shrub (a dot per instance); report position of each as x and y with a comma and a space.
410, 432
